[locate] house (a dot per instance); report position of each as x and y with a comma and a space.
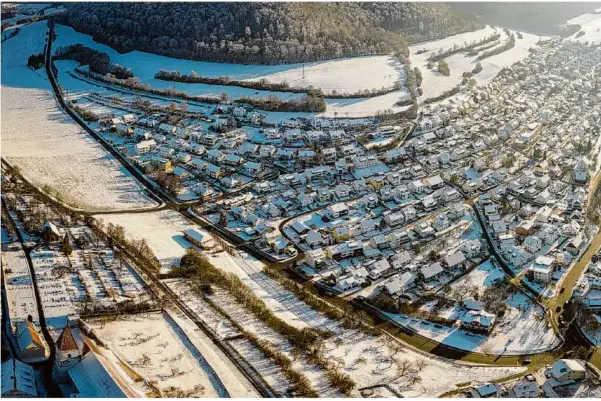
575, 245
397, 238
533, 244
478, 320
337, 210
347, 282
455, 260
32, 348
379, 269
525, 389
488, 390
50, 232
341, 233
568, 369
434, 182
525, 228
199, 237
300, 227
18, 380
394, 219
367, 225
379, 241
543, 214
123, 129
167, 128
399, 260
431, 271
144, 147
140, 133
313, 239
253, 169
214, 171
399, 284
315, 258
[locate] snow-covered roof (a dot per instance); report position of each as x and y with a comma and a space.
431, 270
18, 376
455, 259
92, 379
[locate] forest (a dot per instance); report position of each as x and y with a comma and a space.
265, 33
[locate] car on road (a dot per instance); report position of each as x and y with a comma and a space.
558, 309
526, 362
562, 290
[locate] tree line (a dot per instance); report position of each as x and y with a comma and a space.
264, 84
98, 62
265, 33
306, 103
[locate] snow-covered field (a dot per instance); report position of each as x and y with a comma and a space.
434, 83
155, 346
368, 359
591, 26
162, 230
48, 147
346, 75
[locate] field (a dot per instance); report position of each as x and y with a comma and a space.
434, 83
49, 148
591, 26
344, 75
162, 230
155, 346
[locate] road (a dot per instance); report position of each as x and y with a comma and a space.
44, 367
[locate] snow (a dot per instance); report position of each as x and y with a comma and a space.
48, 146
348, 345
591, 26
483, 276
383, 356
157, 350
235, 383
162, 230
345, 75
434, 83
20, 294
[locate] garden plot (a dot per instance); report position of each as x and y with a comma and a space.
591, 26
162, 230
246, 319
49, 148
373, 360
476, 281
281, 301
367, 358
154, 346
60, 291
268, 370
20, 295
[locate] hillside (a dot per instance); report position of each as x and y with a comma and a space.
264, 33
541, 18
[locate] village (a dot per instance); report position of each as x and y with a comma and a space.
307, 255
